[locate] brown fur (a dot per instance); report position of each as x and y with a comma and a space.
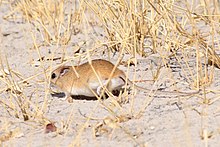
83, 80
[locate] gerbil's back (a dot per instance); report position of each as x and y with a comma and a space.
102, 67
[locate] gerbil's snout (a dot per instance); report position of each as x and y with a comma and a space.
53, 87
53, 79
52, 82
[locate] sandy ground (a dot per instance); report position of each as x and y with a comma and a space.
166, 120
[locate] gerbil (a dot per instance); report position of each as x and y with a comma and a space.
88, 80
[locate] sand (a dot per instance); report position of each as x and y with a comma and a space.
141, 119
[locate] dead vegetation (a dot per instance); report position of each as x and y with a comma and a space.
171, 29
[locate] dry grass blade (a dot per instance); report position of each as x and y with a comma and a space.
184, 35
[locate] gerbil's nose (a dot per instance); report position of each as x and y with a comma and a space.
53, 76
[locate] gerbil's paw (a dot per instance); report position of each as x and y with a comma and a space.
70, 99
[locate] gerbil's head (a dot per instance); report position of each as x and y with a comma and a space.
59, 79
59, 73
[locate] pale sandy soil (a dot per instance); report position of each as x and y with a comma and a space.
168, 120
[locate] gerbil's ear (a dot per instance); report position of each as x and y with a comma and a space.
64, 71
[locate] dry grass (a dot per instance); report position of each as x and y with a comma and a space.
137, 28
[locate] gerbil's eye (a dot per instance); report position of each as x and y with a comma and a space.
53, 76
